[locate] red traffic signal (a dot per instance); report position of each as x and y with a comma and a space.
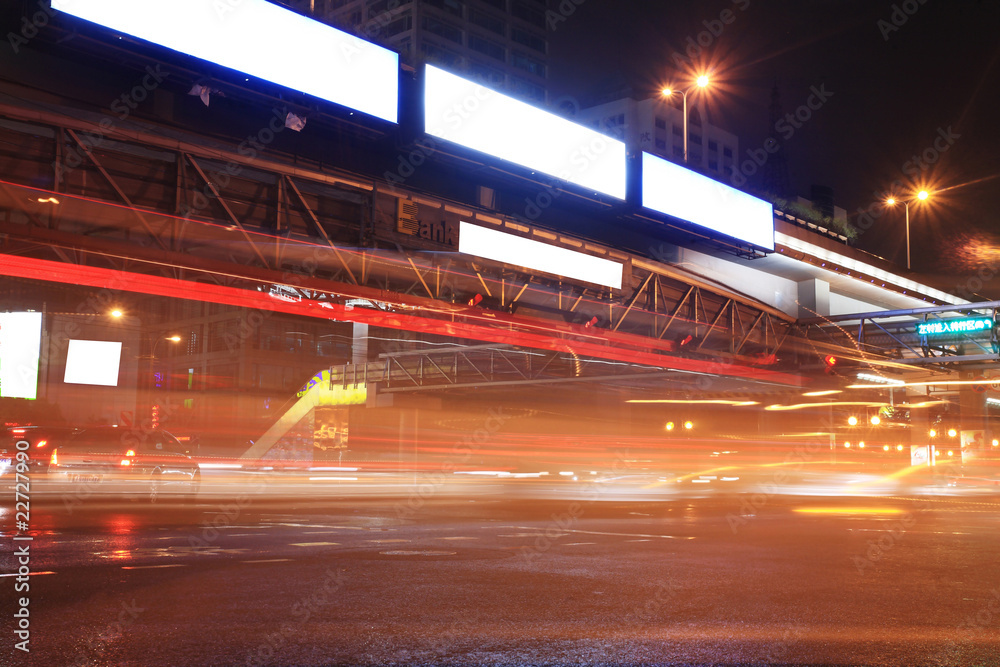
830, 364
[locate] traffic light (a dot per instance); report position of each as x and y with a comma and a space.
830, 364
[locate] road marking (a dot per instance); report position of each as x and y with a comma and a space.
315, 544
272, 560
459, 538
387, 541
596, 532
30, 574
151, 567
579, 544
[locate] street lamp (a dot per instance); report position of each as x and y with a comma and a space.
151, 410
700, 82
891, 201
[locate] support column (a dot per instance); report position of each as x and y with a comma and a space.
814, 298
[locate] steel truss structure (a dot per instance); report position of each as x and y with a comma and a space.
892, 335
132, 200
488, 366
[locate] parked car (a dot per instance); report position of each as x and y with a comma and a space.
150, 464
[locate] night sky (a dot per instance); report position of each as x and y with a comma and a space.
901, 76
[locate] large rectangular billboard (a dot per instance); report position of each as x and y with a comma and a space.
20, 343
93, 362
687, 195
538, 256
263, 40
471, 115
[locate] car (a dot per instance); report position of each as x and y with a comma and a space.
36, 441
106, 460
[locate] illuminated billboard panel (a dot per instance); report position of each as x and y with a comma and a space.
679, 192
471, 115
519, 251
20, 342
93, 362
263, 40
967, 325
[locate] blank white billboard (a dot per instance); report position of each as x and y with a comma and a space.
670, 188
519, 251
93, 362
471, 115
263, 40
20, 342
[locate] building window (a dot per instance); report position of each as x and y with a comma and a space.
661, 124
661, 144
528, 64
528, 39
713, 146
486, 74
488, 21
434, 53
727, 151
382, 6
677, 130
453, 7
492, 49
401, 24
448, 31
525, 12
713, 165
694, 138
499, 4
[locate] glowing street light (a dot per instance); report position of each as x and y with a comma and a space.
688, 425
952, 433
892, 201
876, 420
701, 82
116, 313
852, 420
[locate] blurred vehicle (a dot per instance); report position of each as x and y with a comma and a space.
37, 441
150, 464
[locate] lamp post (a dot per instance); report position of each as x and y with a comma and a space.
700, 82
891, 201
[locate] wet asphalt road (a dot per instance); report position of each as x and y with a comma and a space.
795, 580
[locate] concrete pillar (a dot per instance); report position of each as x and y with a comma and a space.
359, 343
814, 298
